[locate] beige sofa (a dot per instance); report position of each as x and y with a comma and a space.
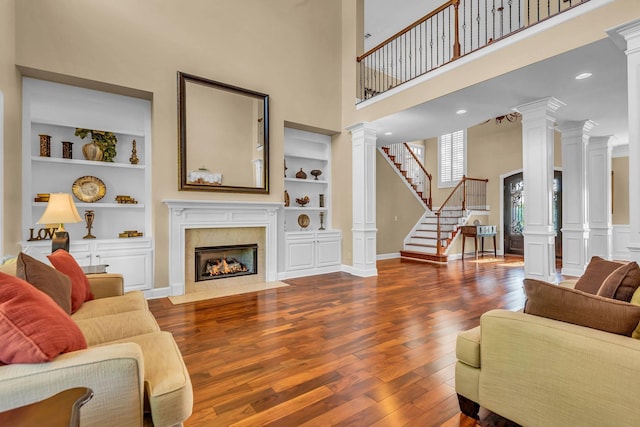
541, 372
135, 370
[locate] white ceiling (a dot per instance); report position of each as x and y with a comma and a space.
601, 98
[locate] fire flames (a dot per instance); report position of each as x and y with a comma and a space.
221, 266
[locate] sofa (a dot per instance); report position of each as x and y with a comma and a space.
135, 370
569, 358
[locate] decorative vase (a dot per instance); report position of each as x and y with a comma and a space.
67, 150
45, 145
321, 201
301, 174
92, 151
287, 200
89, 215
134, 154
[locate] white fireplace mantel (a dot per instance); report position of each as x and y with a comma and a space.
190, 214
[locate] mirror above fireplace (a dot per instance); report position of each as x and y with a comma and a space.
223, 137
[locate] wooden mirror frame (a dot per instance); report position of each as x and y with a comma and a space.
184, 184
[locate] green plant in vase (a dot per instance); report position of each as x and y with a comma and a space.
105, 140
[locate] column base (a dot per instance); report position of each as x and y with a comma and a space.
540, 256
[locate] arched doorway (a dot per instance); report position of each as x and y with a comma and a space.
513, 210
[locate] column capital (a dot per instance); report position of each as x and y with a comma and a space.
583, 127
601, 141
362, 127
549, 105
626, 36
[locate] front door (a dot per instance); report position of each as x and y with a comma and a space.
514, 213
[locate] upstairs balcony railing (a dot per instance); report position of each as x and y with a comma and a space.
456, 28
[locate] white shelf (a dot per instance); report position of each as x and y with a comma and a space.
99, 205
114, 129
306, 181
306, 208
302, 157
91, 163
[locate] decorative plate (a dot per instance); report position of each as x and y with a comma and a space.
89, 189
303, 220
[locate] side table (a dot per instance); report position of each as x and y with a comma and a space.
480, 231
60, 410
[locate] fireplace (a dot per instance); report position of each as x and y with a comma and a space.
220, 262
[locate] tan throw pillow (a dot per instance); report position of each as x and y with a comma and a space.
47, 279
622, 283
580, 308
595, 273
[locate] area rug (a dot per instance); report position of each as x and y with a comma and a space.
225, 292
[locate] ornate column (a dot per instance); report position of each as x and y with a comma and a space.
627, 37
575, 208
599, 185
363, 137
537, 171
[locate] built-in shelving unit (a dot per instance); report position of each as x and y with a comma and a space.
316, 247
57, 110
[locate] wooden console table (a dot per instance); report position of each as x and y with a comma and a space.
480, 231
60, 410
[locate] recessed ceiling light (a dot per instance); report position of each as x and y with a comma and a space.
461, 112
583, 76
388, 133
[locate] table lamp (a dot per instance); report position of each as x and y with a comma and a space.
60, 209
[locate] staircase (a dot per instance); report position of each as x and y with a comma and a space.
422, 241
431, 237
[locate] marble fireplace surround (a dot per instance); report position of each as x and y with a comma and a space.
193, 214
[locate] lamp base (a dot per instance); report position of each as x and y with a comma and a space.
60, 240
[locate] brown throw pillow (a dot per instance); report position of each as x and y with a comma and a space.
45, 278
580, 308
595, 273
622, 283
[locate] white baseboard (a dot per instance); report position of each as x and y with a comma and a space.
157, 293
392, 255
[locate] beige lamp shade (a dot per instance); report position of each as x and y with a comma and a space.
60, 209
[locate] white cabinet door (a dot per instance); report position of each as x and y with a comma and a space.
329, 252
300, 254
135, 267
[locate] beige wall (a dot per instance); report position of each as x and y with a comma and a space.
10, 88
397, 209
289, 50
620, 168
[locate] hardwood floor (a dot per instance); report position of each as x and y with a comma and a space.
339, 350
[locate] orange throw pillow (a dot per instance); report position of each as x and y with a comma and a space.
80, 290
33, 328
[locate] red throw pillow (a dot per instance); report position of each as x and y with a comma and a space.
33, 328
80, 290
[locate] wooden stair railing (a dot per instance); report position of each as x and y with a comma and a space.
406, 162
449, 32
469, 194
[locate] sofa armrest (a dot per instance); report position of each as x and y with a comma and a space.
105, 285
114, 372
539, 371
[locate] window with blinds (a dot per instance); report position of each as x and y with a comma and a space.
452, 153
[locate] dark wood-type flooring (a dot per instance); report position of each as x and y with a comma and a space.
339, 350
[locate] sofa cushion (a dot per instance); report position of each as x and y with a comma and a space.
65, 263
131, 301
580, 308
113, 327
167, 383
595, 274
621, 283
33, 328
45, 278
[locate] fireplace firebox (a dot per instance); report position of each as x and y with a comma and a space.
220, 262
